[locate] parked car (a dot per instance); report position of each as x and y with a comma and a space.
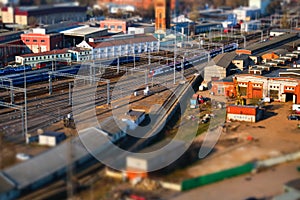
23, 156
293, 117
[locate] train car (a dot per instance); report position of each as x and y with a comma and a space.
22, 68
157, 71
125, 60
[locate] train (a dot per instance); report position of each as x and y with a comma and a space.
14, 69
157, 71
38, 75
122, 60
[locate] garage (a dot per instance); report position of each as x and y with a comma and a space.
257, 93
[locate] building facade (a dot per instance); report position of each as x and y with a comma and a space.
141, 4
162, 15
43, 14
261, 4
36, 59
11, 46
244, 113
40, 42
114, 25
247, 13
279, 88
122, 46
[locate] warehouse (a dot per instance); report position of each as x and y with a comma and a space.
280, 89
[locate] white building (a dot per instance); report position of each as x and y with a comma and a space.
51, 138
141, 30
247, 13
121, 46
134, 118
252, 25
261, 4
34, 59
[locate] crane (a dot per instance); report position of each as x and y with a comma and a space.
239, 99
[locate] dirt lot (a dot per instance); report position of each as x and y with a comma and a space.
273, 136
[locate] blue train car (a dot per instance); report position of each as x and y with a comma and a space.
124, 60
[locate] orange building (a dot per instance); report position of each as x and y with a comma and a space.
114, 25
38, 42
224, 88
280, 89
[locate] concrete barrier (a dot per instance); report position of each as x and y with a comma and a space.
171, 186
278, 160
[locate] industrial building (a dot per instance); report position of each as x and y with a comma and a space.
32, 15
74, 36
121, 45
10, 46
247, 13
39, 41
220, 67
114, 25
281, 89
244, 113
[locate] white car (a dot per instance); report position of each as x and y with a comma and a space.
23, 156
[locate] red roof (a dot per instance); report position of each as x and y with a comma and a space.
53, 52
243, 110
125, 41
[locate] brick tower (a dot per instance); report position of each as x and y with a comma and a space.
162, 15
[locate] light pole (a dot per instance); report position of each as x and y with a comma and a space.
25, 109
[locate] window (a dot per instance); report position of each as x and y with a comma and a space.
112, 26
42, 40
34, 40
27, 40
105, 26
119, 27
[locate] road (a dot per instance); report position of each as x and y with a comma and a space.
265, 184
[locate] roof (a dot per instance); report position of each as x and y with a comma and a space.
44, 164
223, 60
135, 113
52, 134
167, 146
120, 41
5, 184
82, 31
257, 48
241, 57
111, 127
270, 56
53, 52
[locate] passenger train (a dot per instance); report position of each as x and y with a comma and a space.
190, 62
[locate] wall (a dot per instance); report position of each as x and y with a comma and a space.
114, 25
240, 117
214, 71
214, 177
224, 88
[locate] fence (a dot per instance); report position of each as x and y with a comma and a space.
214, 177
